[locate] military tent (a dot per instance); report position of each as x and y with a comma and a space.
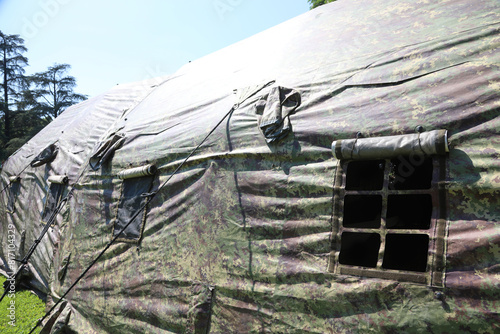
338, 173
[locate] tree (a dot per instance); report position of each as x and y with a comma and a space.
54, 90
25, 111
317, 3
12, 64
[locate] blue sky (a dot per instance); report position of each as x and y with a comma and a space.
109, 42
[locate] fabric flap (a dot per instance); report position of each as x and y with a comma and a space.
13, 179
137, 172
275, 122
59, 179
48, 154
104, 150
426, 143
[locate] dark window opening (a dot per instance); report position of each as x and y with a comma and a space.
411, 172
14, 188
52, 200
359, 249
409, 211
135, 194
406, 252
365, 175
362, 211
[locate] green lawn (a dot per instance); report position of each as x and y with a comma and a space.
28, 309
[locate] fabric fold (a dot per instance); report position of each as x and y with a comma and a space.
47, 155
275, 122
105, 149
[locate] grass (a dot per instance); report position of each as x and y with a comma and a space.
28, 309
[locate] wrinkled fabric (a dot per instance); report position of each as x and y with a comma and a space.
242, 238
105, 150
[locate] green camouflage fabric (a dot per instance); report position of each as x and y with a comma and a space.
241, 239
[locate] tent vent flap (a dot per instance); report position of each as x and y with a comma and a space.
137, 183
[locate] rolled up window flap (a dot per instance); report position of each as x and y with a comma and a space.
425, 143
13, 179
59, 179
137, 172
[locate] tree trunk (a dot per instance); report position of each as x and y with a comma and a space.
6, 111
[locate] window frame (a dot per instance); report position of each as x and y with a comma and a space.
434, 273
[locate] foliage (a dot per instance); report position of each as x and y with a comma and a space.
12, 63
54, 92
28, 103
317, 3
28, 309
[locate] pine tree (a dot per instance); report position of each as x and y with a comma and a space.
317, 3
54, 90
12, 63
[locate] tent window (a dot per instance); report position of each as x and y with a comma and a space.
136, 188
54, 195
389, 214
14, 187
